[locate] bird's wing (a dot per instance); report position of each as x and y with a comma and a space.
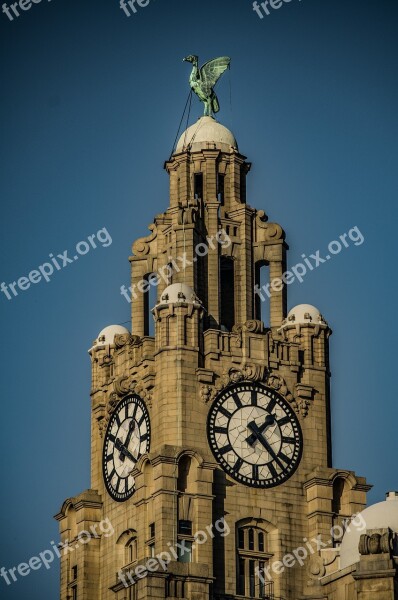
212, 71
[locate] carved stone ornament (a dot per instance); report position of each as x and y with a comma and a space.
300, 400
124, 339
247, 372
267, 232
303, 396
253, 326
375, 543
317, 566
187, 212
127, 384
142, 246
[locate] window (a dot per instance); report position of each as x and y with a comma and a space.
198, 185
74, 572
150, 300
185, 527
227, 293
221, 188
341, 510
74, 592
242, 184
151, 541
252, 560
152, 530
131, 550
262, 292
185, 540
251, 539
184, 551
261, 542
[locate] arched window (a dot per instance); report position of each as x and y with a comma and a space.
251, 562
227, 293
132, 550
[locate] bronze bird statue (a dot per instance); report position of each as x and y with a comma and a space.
202, 81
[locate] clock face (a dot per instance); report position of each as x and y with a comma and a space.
127, 438
254, 435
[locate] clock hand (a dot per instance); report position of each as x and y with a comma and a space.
128, 438
269, 420
123, 451
256, 431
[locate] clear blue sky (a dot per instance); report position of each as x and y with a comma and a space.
90, 105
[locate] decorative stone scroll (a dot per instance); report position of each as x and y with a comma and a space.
247, 372
124, 339
142, 246
252, 326
267, 232
127, 384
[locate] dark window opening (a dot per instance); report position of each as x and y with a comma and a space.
185, 527
261, 292
152, 530
74, 572
251, 539
227, 293
261, 542
242, 185
198, 185
252, 579
241, 539
150, 300
241, 577
221, 188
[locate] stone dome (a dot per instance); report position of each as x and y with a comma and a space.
378, 516
304, 314
106, 336
204, 132
178, 293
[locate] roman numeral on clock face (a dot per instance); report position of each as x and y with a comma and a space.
238, 465
225, 449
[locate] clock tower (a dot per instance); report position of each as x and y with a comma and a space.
210, 431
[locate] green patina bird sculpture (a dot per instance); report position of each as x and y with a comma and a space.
202, 81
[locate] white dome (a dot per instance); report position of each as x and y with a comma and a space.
379, 516
106, 336
304, 314
206, 130
178, 293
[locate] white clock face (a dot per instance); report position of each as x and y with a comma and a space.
127, 438
254, 434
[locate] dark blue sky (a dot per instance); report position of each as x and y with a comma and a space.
90, 105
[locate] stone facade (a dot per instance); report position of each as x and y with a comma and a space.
198, 349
